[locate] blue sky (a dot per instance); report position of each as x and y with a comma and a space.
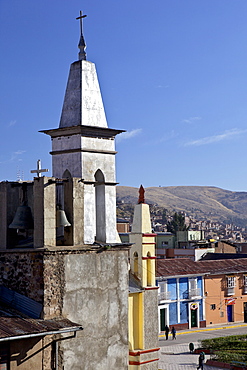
173, 74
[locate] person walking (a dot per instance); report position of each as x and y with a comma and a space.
201, 361
167, 331
173, 331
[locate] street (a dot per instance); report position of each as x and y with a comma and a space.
175, 355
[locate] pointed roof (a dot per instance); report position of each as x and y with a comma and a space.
83, 103
141, 195
141, 220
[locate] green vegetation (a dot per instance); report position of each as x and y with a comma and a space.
177, 223
227, 349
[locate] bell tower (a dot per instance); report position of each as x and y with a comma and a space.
84, 147
142, 252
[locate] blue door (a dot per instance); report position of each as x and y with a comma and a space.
230, 313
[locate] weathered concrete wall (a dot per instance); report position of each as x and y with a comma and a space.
70, 159
23, 273
32, 353
151, 318
26, 354
96, 296
86, 287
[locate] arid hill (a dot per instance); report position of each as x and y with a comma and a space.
202, 202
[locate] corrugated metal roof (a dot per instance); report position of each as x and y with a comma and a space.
20, 302
224, 266
176, 267
15, 324
185, 266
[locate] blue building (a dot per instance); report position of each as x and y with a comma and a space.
181, 294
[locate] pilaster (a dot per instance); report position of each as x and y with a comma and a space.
74, 207
44, 212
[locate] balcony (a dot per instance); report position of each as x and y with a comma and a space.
230, 291
164, 296
194, 292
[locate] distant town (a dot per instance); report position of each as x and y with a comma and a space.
212, 229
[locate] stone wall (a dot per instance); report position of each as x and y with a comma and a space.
22, 271
53, 284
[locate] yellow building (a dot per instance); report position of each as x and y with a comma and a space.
143, 294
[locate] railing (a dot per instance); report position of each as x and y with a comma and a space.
194, 292
230, 290
164, 296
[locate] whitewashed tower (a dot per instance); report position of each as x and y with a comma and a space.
84, 147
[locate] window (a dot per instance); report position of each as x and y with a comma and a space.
230, 285
245, 284
193, 290
163, 293
213, 306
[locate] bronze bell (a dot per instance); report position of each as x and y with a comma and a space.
62, 219
23, 219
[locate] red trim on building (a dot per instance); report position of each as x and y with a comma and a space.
149, 258
149, 243
140, 352
152, 288
149, 235
143, 362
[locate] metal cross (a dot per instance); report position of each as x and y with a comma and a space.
81, 17
39, 170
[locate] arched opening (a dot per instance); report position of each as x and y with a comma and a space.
66, 174
100, 216
149, 270
63, 200
135, 263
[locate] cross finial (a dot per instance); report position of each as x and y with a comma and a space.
82, 44
39, 170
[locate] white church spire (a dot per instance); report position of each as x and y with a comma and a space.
83, 105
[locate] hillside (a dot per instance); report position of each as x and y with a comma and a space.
202, 202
